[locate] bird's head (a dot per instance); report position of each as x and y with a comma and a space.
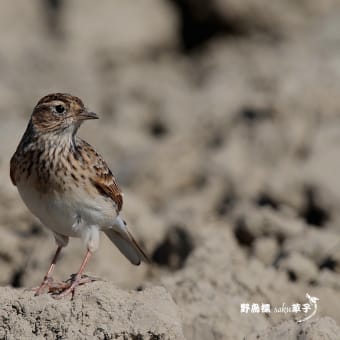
59, 113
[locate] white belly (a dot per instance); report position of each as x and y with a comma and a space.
69, 213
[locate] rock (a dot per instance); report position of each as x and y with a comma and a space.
126, 29
266, 249
99, 310
201, 20
315, 244
319, 329
278, 18
299, 267
217, 275
266, 221
10, 257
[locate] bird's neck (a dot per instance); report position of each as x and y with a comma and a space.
60, 142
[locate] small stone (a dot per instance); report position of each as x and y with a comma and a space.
266, 249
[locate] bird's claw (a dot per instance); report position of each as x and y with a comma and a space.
67, 287
47, 283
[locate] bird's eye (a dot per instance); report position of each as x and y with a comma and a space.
59, 108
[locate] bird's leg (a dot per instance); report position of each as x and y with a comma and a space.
77, 279
48, 277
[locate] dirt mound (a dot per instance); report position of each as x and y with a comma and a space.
98, 311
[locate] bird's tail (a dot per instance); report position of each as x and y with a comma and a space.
124, 241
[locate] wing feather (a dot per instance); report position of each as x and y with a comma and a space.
100, 174
110, 188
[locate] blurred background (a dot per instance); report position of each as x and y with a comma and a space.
220, 120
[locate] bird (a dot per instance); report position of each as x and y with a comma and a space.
68, 186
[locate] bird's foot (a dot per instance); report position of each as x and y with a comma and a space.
48, 283
67, 287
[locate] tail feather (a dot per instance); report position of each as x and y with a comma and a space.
141, 252
127, 245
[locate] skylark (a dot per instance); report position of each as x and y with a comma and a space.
68, 185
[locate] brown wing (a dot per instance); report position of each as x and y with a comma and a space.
108, 186
101, 176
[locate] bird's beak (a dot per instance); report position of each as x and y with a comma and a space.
85, 115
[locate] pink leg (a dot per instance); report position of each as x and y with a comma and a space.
48, 277
78, 278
